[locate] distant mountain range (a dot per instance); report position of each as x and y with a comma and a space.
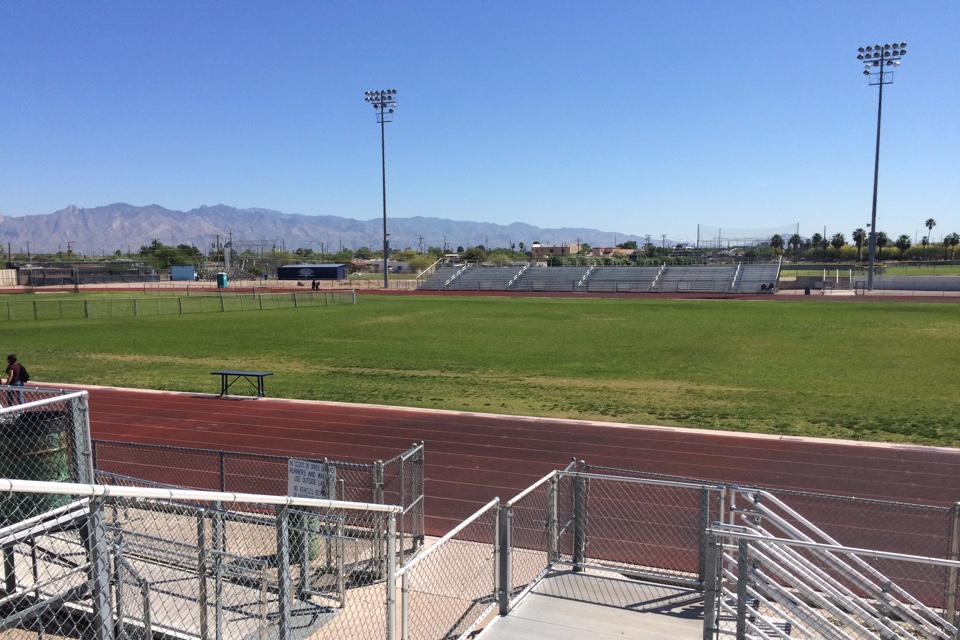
104, 230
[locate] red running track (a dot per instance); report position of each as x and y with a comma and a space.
470, 457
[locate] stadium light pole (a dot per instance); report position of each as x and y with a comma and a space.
384, 102
876, 59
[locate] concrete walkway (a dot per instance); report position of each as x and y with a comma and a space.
597, 606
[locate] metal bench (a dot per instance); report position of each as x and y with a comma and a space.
229, 376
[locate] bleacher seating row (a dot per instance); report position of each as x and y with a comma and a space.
664, 279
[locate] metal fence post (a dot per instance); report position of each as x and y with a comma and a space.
702, 527
402, 524
203, 570
94, 534
391, 585
404, 608
9, 571
504, 515
743, 577
218, 545
376, 489
951, 609
378, 533
83, 463
710, 589
283, 572
579, 522
552, 528
223, 471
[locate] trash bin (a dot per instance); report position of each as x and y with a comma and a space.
221, 280
806, 291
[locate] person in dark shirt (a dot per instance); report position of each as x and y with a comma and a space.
13, 379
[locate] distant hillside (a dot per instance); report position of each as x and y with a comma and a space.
125, 227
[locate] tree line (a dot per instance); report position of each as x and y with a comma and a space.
818, 247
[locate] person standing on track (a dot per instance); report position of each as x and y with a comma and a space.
14, 379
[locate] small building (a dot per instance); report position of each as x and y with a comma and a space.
549, 251
612, 252
312, 272
183, 273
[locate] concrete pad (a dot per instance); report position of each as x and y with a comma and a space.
591, 606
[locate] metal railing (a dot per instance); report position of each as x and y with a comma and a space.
632, 527
135, 562
451, 587
770, 587
398, 480
73, 308
775, 566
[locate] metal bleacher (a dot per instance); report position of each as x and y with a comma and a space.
696, 280
551, 279
622, 279
475, 278
597, 279
758, 279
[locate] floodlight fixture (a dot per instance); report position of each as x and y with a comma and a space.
384, 102
876, 59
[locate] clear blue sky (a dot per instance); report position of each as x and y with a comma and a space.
630, 116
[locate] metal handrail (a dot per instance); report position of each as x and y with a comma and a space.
156, 493
452, 533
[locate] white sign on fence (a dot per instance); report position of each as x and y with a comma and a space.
308, 478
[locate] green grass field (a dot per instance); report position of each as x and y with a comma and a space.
861, 370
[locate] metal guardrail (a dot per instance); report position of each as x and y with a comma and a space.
398, 480
565, 520
769, 587
775, 572
146, 562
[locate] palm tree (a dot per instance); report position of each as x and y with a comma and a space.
930, 224
795, 242
837, 242
859, 237
924, 241
882, 241
903, 243
816, 240
777, 243
954, 241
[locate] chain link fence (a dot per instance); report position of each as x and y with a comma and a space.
44, 435
451, 587
883, 525
124, 563
177, 542
112, 307
397, 481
